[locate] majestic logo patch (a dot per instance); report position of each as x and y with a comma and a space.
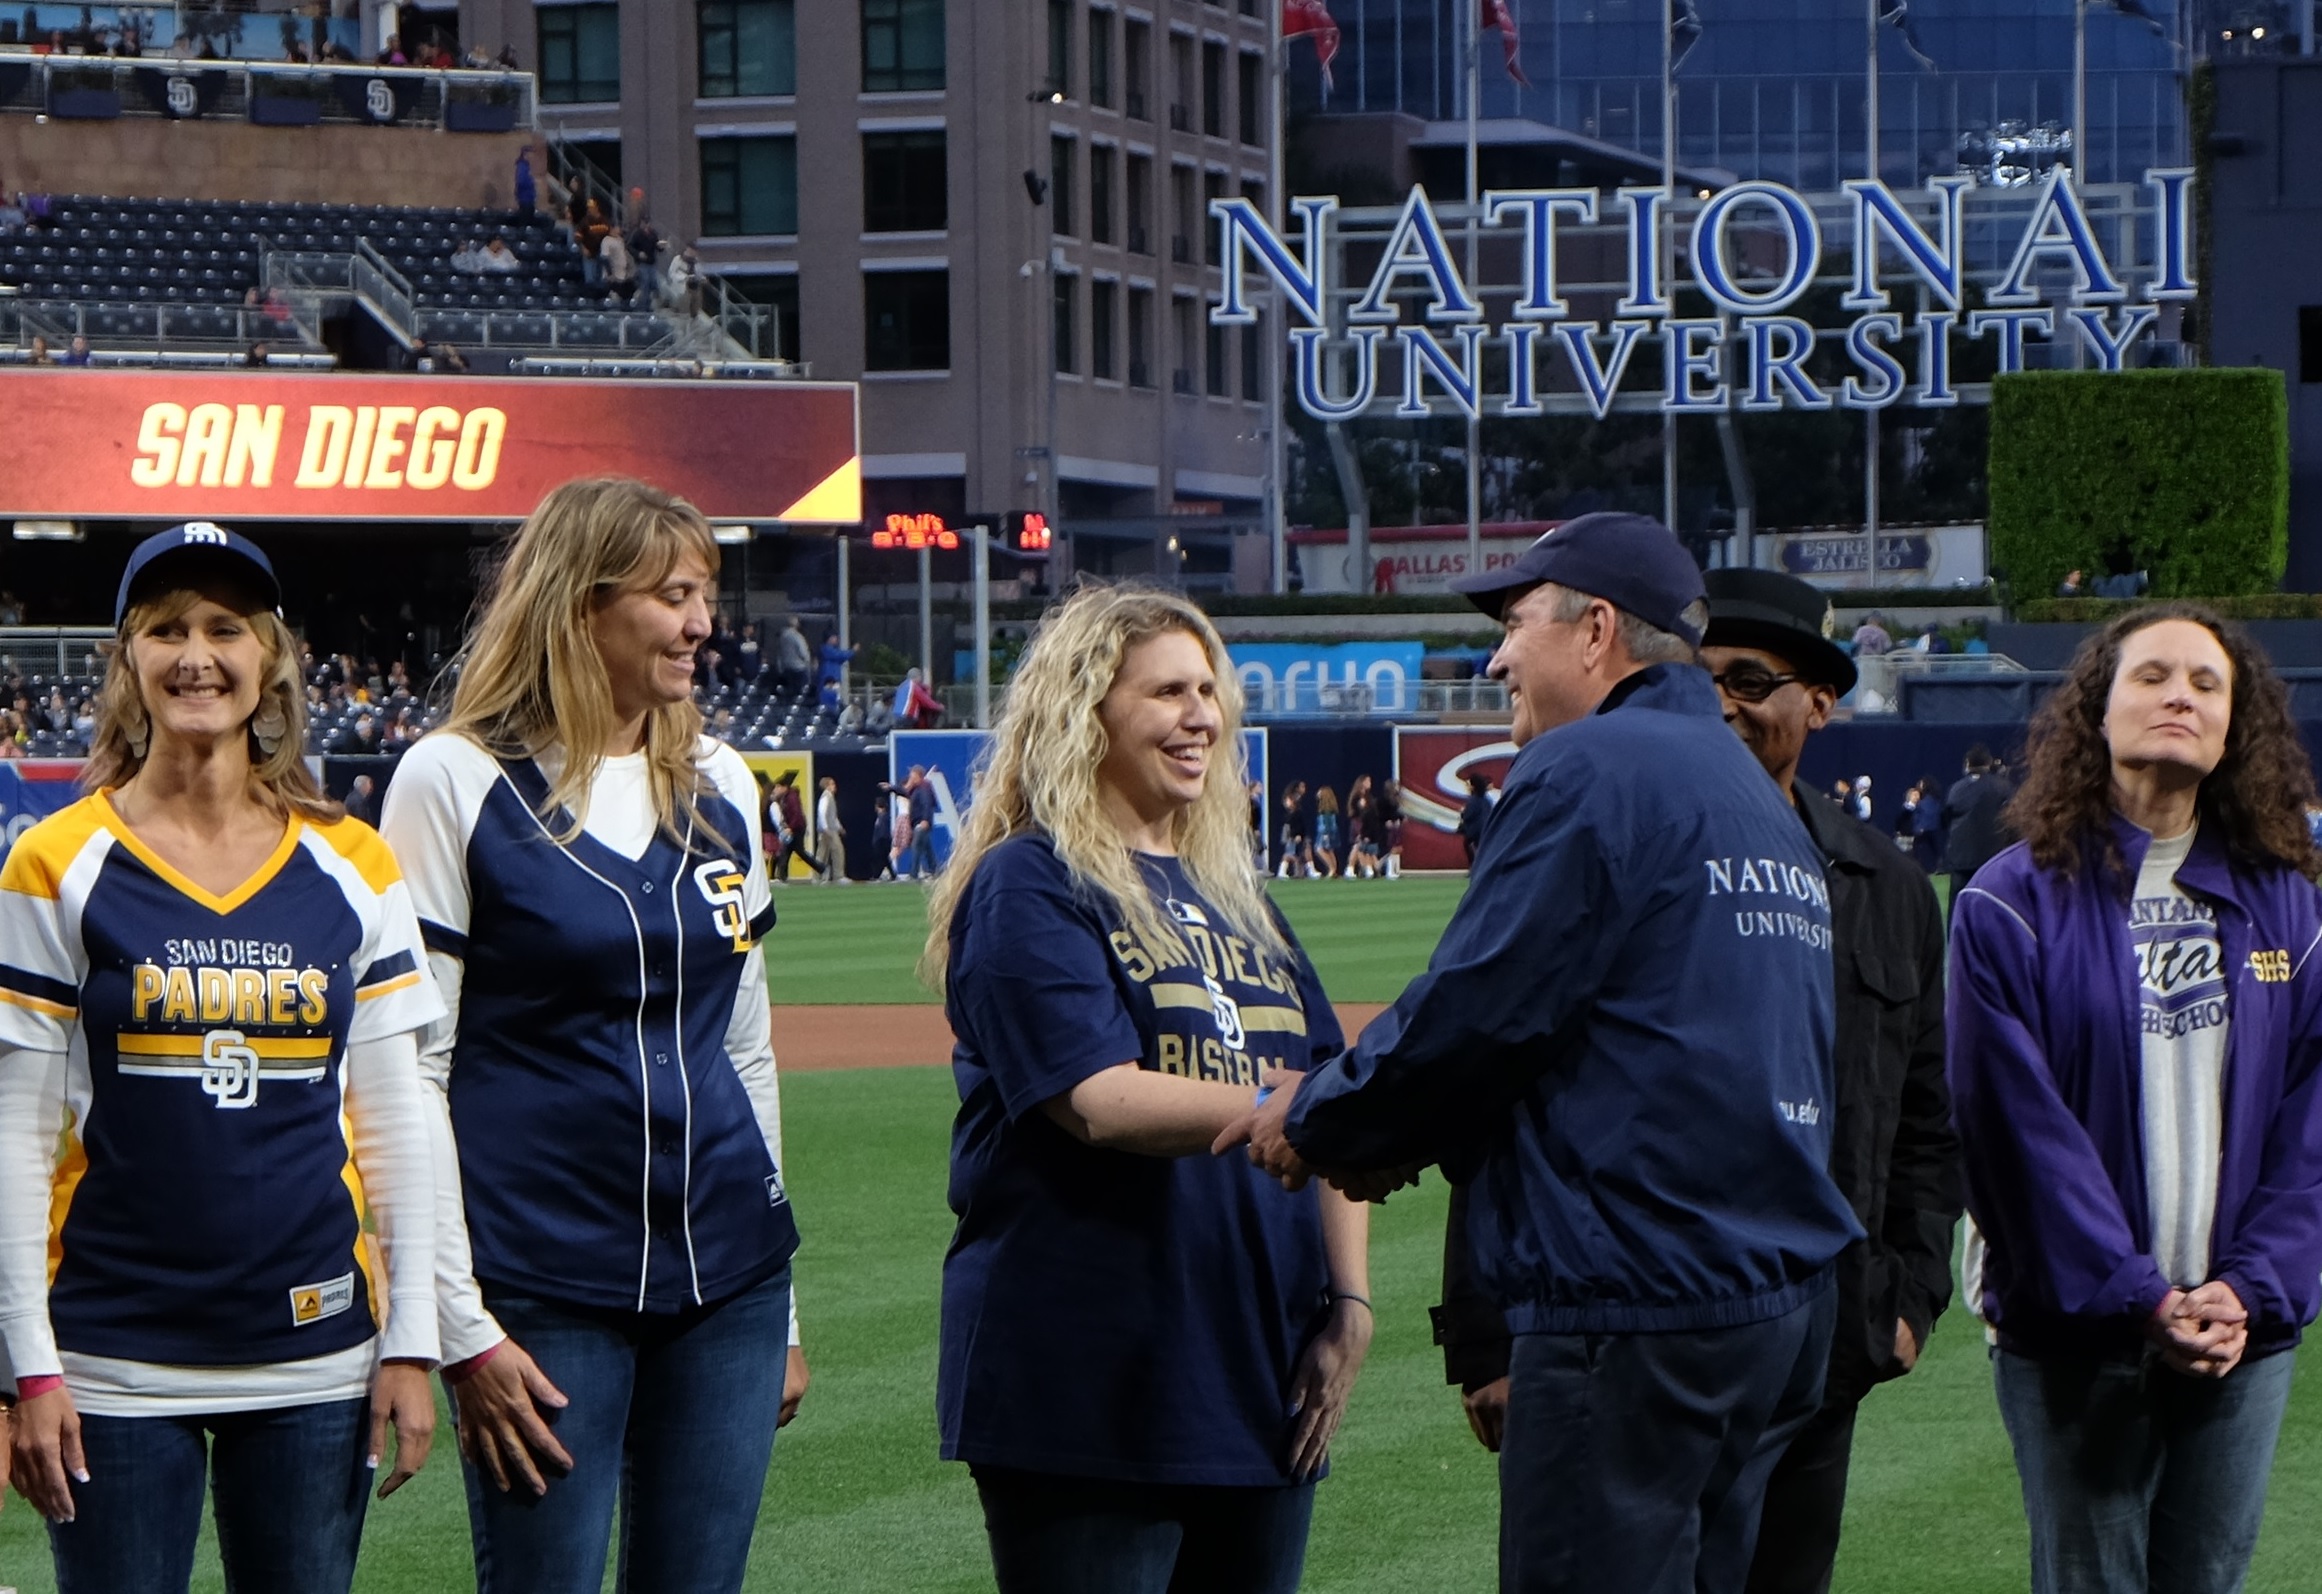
311, 1303
775, 1194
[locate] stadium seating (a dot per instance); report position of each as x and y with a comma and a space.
124, 258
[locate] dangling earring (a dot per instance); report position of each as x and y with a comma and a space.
268, 725
137, 731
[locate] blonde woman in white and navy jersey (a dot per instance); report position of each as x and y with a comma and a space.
217, 1205
615, 1267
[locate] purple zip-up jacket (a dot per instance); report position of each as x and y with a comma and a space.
2046, 1067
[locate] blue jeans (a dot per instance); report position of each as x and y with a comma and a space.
289, 1484
1650, 1453
1063, 1535
923, 852
2137, 1478
671, 1420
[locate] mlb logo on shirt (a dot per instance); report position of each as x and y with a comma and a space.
311, 1303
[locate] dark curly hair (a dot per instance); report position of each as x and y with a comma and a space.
2257, 798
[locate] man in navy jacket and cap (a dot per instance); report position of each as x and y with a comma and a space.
1623, 1044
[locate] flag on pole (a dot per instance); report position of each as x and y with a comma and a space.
1896, 14
1684, 31
1312, 17
1497, 14
2142, 12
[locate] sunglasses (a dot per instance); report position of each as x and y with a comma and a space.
1750, 683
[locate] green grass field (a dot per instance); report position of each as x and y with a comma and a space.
857, 1500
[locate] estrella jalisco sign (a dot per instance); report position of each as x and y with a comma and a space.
1753, 345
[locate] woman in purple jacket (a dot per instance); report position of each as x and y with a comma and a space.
2136, 1070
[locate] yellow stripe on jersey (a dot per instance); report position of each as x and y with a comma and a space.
161, 866
1278, 1020
35, 1004
37, 862
70, 1168
361, 846
402, 982
278, 1047
367, 1253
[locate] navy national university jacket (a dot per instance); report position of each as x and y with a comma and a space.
1624, 1035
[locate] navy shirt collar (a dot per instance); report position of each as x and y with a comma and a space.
1673, 688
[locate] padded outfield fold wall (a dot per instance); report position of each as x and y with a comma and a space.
154, 158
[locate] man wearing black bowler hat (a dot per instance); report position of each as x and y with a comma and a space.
1622, 1047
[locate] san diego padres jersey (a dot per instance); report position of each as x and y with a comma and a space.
206, 1209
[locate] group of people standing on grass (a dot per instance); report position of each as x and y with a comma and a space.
294, 1113
1324, 839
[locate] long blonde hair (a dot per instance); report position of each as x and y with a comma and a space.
124, 724
529, 674
1039, 773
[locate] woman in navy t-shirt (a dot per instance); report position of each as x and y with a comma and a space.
1146, 1349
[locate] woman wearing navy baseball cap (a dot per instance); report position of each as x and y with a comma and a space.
1146, 1349
216, 1197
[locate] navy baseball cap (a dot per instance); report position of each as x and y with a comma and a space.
198, 540
1633, 562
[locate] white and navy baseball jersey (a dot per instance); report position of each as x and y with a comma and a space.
206, 1207
610, 1153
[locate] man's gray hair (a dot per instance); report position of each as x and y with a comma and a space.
1646, 643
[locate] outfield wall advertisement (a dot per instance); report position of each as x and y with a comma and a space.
1432, 764
257, 445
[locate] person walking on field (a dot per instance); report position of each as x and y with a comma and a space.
1631, 1068
1975, 825
1146, 1350
793, 810
831, 831
2136, 1062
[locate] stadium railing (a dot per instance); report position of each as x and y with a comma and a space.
273, 93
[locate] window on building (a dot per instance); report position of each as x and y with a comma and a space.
580, 53
1253, 359
1137, 67
1183, 226
1214, 357
749, 186
1100, 58
747, 47
902, 45
1103, 308
1140, 205
1060, 47
778, 293
1140, 337
1181, 84
1213, 90
1253, 69
907, 320
1060, 151
1188, 339
1212, 187
1255, 192
905, 183
1101, 161
2310, 343
1063, 299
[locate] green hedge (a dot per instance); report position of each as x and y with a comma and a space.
2094, 611
2183, 474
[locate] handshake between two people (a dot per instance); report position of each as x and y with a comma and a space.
1264, 1130
2202, 1332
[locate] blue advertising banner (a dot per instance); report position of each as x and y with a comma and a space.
1329, 678
951, 758
31, 790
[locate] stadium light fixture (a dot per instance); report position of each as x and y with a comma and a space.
46, 531
732, 534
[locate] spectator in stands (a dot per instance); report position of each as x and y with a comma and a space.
258, 355
850, 720
77, 353
916, 708
879, 720
40, 354
449, 361
12, 737
722, 642
507, 58
749, 656
11, 215
85, 721
1932, 640
359, 740
835, 659
620, 270
469, 256
497, 256
684, 290
792, 662
362, 800
590, 229
527, 190
644, 249
392, 54
2072, 586
1870, 637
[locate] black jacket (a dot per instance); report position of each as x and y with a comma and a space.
1894, 1155
1973, 832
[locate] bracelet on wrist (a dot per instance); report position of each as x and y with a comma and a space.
1364, 1301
